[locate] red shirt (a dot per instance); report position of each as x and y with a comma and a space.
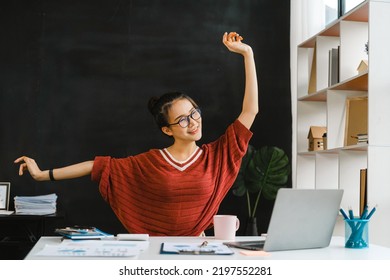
153, 193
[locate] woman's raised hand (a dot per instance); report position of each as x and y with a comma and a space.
233, 41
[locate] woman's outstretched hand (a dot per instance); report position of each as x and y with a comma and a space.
31, 166
233, 41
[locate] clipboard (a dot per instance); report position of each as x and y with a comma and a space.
205, 248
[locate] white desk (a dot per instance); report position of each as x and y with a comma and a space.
335, 251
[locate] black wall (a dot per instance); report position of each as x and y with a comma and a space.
76, 77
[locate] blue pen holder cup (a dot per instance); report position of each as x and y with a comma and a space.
356, 234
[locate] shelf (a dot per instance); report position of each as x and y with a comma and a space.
357, 83
339, 166
332, 31
361, 147
359, 13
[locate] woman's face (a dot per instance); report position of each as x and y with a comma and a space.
182, 110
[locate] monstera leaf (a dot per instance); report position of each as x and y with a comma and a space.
263, 172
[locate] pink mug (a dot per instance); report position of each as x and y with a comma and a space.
225, 226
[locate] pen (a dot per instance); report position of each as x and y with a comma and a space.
364, 214
371, 213
351, 213
197, 252
344, 214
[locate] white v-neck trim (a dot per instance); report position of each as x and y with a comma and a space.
185, 164
181, 161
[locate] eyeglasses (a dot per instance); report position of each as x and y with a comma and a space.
185, 121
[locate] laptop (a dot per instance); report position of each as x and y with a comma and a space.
301, 219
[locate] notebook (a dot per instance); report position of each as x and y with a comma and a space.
301, 219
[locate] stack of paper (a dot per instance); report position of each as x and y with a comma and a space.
36, 205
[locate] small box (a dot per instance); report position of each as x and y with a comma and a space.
315, 139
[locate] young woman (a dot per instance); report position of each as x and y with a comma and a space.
174, 191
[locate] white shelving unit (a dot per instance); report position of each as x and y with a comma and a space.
339, 166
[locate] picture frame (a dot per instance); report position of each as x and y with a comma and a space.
5, 188
356, 119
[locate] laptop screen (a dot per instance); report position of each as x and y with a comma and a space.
301, 219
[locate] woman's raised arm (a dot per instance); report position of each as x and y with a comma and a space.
67, 172
250, 105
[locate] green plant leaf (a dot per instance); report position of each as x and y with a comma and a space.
270, 191
252, 177
273, 166
263, 172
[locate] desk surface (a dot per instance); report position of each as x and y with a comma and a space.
18, 217
335, 251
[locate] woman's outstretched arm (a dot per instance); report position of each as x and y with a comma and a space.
67, 172
250, 105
